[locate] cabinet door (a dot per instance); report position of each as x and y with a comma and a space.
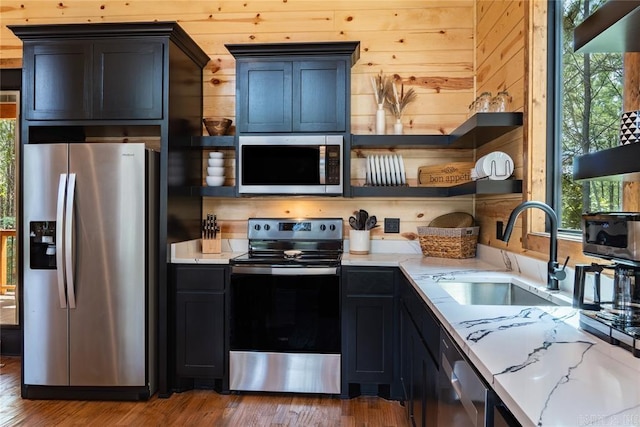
127, 80
200, 334
368, 325
264, 96
200, 321
319, 96
369, 335
57, 81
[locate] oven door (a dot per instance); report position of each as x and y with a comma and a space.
285, 329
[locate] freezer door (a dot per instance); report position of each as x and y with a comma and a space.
107, 325
45, 358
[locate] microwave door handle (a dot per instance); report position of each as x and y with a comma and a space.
323, 164
68, 244
62, 187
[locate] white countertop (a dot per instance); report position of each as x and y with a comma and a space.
545, 369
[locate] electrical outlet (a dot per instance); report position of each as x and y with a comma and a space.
392, 225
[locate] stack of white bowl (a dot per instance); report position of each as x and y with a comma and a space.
215, 169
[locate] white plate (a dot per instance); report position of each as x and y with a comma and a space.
383, 173
403, 175
378, 175
367, 166
392, 172
373, 171
495, 165
396, 166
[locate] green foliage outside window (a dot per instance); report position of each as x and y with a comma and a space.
7, 173
591, 106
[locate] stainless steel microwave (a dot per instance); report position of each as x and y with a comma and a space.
612, 235
290, 164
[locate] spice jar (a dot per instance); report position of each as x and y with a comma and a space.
483, 102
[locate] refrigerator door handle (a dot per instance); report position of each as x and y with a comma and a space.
68, 240
62, 187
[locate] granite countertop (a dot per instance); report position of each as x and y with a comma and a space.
546, 370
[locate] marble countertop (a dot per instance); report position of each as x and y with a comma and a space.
547, 370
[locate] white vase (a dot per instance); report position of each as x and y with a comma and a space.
398, 127
381, 125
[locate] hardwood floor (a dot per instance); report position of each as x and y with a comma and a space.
194, 408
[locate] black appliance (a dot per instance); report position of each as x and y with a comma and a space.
285, 307
290, 164
615, 237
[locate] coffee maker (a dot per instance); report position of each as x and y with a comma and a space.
613, 236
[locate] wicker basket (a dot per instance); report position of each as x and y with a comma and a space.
448, 242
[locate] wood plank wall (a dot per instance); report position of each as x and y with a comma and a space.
501, 56
439, 47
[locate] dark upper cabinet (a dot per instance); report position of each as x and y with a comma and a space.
57, 81
127, 80
264, 101
293, 87
87, 79
319, 96
296, 96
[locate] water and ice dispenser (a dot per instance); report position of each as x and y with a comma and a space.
42, 245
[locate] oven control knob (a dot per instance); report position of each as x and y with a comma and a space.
323, 227
256, 227
332, 227
267, 227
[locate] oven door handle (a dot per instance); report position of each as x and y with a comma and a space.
284, 271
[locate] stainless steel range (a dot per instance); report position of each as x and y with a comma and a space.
615, 237
285, 307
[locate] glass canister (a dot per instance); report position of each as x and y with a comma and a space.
483, 102
501, 102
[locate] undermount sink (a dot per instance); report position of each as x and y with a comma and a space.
488, 293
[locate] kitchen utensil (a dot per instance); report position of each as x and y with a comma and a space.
370, 223
353, 222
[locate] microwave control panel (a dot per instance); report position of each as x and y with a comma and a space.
333, 165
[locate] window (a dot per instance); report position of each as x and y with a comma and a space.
8, 247
586, 114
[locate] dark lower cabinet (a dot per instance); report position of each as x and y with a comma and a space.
419, 349
369, 323
200, 337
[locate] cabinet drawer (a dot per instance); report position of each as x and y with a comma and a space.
200, 278
365, 281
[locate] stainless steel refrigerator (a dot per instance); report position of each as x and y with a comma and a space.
89, 214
